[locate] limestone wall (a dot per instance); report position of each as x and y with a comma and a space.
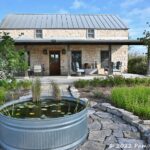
69, 33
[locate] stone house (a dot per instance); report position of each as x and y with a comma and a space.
57, 41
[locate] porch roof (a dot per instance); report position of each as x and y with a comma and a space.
77, 42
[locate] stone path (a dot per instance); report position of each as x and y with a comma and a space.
109, 132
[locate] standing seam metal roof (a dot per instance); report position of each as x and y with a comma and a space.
62, 21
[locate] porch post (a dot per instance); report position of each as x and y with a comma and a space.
148, 61
109, 61
69, 59
26, 59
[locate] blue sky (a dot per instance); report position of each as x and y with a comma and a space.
134, 12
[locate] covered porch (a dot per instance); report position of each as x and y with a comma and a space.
57, 56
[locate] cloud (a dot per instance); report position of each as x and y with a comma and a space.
128, 3
77, 4
63, 11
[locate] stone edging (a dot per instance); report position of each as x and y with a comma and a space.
74, 92
142, 125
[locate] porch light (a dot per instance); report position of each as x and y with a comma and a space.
45, 51
63, 51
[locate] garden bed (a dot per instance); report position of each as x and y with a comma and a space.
130, 94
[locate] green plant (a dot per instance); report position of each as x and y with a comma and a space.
112, 81
25, 84
81, 83
56, 90
36, 90
11, 60
134, 99
137, 65
2, 95
97, 94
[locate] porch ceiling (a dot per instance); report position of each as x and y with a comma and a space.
78, 42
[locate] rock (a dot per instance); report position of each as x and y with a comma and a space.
103, 115
99, 136
118, 133
92, 103
130, 117
146, 122
110, 140
84, 99
95, 125
109, 125
90, 111
136, 123
114, 111
91, 145
124, 127
104, 106
143, 128
131, 135
132, 144
117, 119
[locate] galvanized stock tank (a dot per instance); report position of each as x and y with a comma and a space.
43, 134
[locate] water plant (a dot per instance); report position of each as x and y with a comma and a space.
36, 90
56, 92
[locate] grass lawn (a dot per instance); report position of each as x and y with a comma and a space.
134, 99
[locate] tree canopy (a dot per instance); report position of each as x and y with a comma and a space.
146, 40
11, 59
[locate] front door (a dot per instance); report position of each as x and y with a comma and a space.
54, 62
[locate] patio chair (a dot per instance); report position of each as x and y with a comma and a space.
37, 69
117, 67
79, 70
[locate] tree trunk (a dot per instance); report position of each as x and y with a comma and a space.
148, 61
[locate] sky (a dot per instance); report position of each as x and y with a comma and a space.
135, 13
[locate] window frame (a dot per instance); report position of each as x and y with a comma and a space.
40, 34
91, 33
105, 51
74, 52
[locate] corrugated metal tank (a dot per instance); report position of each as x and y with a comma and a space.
43, 134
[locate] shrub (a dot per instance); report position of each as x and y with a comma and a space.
81, 83
134, 99
97, 94
25, 84
137, 65
112, 81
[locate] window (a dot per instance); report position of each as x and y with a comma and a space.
90, 33
104, 59
39, 33
76, 58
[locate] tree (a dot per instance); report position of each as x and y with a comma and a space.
11, 59
146, 41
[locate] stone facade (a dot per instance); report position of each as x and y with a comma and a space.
90, 53
69, 33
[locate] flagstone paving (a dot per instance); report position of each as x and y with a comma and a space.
109, 132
